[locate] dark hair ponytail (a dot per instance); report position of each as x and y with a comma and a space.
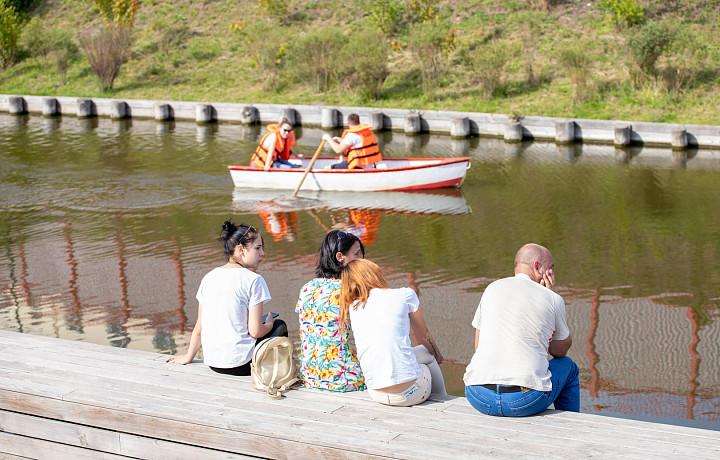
327, 265
232, 235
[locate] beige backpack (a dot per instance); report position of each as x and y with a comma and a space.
272, 368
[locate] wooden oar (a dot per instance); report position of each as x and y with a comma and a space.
312, 162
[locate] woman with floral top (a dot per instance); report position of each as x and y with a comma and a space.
327, 361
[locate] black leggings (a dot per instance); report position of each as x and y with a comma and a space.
279, 330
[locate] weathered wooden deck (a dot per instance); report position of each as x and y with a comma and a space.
63, 399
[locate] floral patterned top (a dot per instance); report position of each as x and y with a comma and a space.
327, 361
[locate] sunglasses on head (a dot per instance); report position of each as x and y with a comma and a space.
340, 235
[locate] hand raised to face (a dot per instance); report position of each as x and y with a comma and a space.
548, 279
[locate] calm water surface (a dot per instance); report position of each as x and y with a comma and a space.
106, 229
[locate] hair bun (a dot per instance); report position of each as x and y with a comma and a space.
228, 229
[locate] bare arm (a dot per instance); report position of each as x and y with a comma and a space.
559, 348
255, 325
195, 342
270, 147
423, 336
477, 338
338, 147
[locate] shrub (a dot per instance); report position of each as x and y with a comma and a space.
386, 14
368, 52
577, 62
530, 32
316, 57
422, 10
118, 13
49, 46
429, 44
274, 8
106, 52
265, 44
649, 42
490, 61
622, 13
10, 28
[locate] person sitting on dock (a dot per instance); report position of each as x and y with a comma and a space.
327, 362
279, 140
360, 144
383, 319
230, 315
519, 321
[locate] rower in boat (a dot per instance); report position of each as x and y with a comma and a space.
360, 144
275, 147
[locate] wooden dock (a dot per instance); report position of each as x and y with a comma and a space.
63, 399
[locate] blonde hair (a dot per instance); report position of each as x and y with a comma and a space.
358, 278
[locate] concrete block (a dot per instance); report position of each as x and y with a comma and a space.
86, 108
460, 127
17, 105
205, 113
164, 112
413, 123
249, 115
119, 110
50, 107
513, 132
565, 132
623, 135
329, 118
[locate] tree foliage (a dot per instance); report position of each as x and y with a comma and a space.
10, 27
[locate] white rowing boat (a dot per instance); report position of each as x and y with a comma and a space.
390, 174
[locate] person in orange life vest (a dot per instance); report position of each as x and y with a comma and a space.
268, 153
360, 144
288, 149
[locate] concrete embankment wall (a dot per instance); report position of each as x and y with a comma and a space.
456, 124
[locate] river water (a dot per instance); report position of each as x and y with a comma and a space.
107, 227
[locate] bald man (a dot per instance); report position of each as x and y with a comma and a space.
520, 320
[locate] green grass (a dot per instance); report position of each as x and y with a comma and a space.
209, 63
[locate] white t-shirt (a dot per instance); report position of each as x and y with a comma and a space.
352, 140
226, 295
382, 337
517, 318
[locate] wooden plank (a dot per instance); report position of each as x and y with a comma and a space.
520, 444
102, 440
184, 432
21, 446
142, 385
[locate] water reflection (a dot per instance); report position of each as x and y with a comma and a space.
106, 234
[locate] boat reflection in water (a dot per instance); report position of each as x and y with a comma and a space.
279, 211
446, 201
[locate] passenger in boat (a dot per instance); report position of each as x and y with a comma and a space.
520, 320
279, 140
230, 315
326, 360
360, 144
383, 319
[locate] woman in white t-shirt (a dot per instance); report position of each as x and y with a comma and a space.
230, 314
382, 318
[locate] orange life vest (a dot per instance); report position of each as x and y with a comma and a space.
368, 152
289, 141
366, 223
279, 224
260, 156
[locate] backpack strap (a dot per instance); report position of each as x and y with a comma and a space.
272, 391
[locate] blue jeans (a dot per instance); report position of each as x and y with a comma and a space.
565, 394
280, 163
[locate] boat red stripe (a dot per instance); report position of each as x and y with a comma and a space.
435, 162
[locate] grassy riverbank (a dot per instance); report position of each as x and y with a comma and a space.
539, 57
